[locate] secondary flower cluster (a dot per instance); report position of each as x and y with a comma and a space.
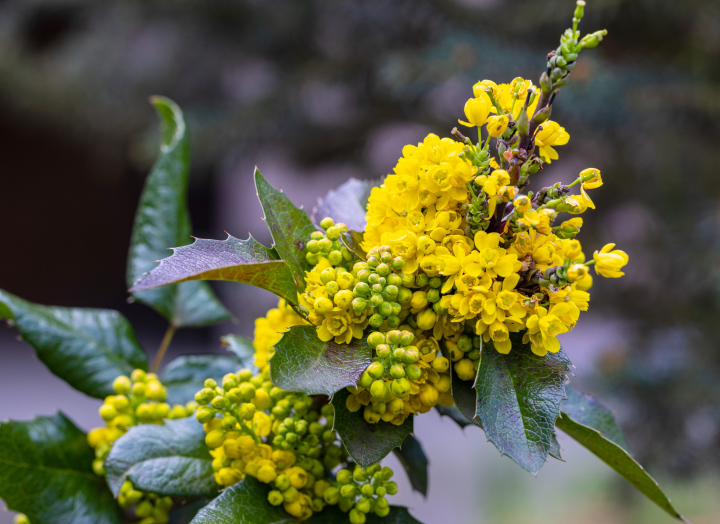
283, 440
138, 399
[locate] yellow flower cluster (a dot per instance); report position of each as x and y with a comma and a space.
138, 399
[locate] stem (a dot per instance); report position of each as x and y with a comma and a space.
590, 263
163, 347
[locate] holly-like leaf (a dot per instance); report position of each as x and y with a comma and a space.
366, 443
347, 203
453, 413
46, 473
185, 375
555, 448
162, 221
586, 410
518, 400
232, 260
289, 225
170, 459
87, 348
242, 348
413, 460
303, 362
465, 398
606, 449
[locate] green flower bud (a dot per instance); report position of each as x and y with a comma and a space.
332, 495
375, 370
390, 292
361, 289
372, 262
335, 257
122, 385
404, 295
391, 486
326, 223
376, 300
394, 279
433, 295
436, 282
219, 402
378, 390
328, 275
138, 390
383, 350
465, 343
426, 319
375, 338
356, 516
406, 338
363, 505
313, 246
399, 353
437, 308
380, 491
275, 498
347, 491
393, 337
397, 371
329, 436
474, 354
393, 321
291, 494
359, 305
323, 305
344, 298
383, 270
398, 263
422, 280
400, 387
332, 288
333, 233
204, 414
385, 309
367, 490
137, 375
108, 412
411, 355
312, 258
344, 476
229, 381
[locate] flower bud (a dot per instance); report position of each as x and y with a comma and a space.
275, 498
375, 370
440, 364
383, 350
122, 385
379, 390
400, 387
419, 300
413, 372
397, 371
326, 223
323, 305
375, 338
426, 319
344, 298
332, 495
464, 369
496, 125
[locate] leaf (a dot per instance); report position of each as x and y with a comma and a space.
162, 221
87, 348
232, 260
347, 203
518, 400
366, 443
465, 398
454, 413
290, 228
586, 410
246, 503
555, 448
353, 241
303, 362
413, 459
609, 451
170, 459
242, 348
185, 375
46, 473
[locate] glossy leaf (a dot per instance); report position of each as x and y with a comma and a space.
242, 348
169, 459
289, 225
413, 460
465, 398
185, 375
162, 221
303, 362
607, 450
586, 410
555, 448
518, 400
366, 443
333, 515
231, 260
46, 473
353, 241
346, 204
453, 413
87, 348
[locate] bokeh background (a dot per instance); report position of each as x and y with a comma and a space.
317, 91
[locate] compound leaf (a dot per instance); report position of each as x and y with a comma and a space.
366, 443
170, 459
162, 221
518, 401
46, 473
303, 362
87, 348
232, 260
289, 225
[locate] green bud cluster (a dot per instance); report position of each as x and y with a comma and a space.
465, 352
327, 244
149, 507
362, 491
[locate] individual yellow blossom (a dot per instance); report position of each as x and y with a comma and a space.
269, 330
522, 204
551, 134
480, 88
496, 125
542, 332
476, 111
609, 262
591, 178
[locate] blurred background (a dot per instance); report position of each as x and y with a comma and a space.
317, 91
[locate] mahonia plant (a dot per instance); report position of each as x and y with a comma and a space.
448, 291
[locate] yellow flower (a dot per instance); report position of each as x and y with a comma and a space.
481, 88
496, 125
269, 330
551, 134
577, 272
522, 204
591, 178
609, 262
476, 111
542, 332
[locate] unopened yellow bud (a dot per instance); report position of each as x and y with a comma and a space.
426, 319
266, 474
465, 369
429, 395
496, 125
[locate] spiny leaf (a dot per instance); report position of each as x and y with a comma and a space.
366, 443
585, 409
162, 221
242, 348
290, 228
346, 204
87, 348
413, 460
169, 459
46, 473
303, 362
232, 259
185, 375
555, 448
453, 413
607, 450
518, 400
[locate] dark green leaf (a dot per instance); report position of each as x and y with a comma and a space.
242, 348
518, 400
87, 348
454, 413
185, 375
616, 457
555, 448
333, 515
303, 362
290, 227
232, 260
465, 398
353, 241
168, 459
413, 459
586, 410
366, 443
46, 473
244, 503
162, 221
347, 203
